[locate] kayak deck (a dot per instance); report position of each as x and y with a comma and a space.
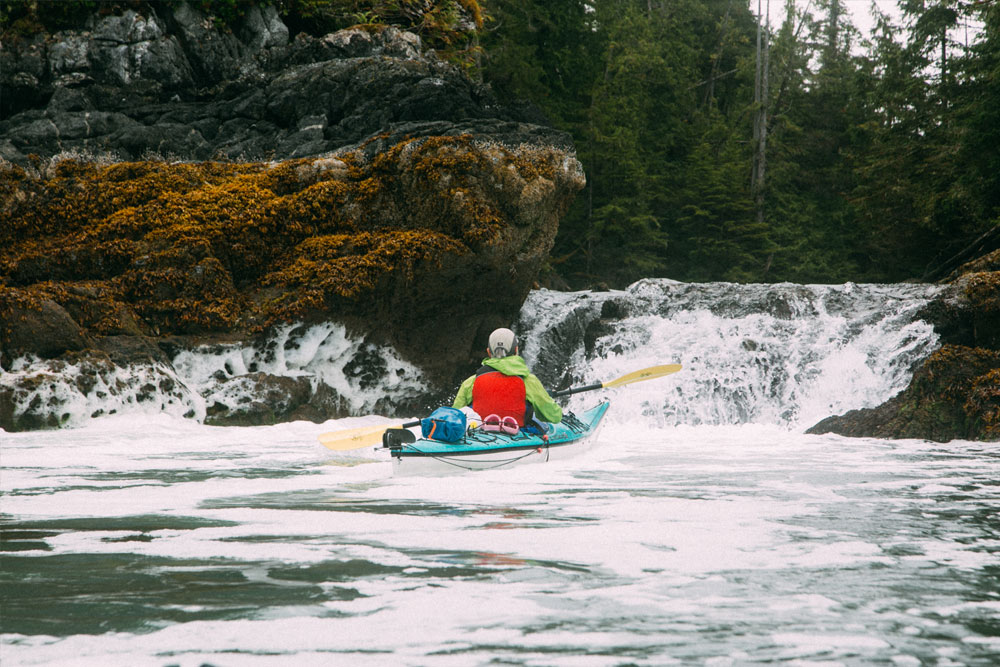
485, 450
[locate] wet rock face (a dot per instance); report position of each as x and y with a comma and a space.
40, 326
169, 82
257, 398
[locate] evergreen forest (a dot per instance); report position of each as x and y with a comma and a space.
717, 148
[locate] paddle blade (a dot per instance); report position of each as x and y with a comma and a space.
353, 438
644, 374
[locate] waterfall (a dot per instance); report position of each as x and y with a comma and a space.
780, 354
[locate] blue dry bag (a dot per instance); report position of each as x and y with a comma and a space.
444, 424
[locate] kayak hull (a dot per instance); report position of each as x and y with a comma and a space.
479, 450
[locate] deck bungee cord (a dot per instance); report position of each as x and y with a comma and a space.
454, 461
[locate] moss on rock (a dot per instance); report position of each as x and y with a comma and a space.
220, 247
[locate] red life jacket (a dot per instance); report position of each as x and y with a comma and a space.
494, 393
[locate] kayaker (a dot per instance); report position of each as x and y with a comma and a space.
506, 387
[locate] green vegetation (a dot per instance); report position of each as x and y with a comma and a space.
882, 158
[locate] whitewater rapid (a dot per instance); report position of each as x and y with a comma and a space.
785, 354
770, 354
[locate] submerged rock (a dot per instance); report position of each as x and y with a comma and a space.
80, 385
257, 398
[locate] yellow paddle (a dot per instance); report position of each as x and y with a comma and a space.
635, 376
357, 438
369, 436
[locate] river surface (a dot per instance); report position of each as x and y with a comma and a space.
166, 542
702, 527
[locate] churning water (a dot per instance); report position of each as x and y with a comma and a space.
702, 528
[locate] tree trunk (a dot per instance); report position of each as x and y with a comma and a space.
983, 245
833, 32
710, 91
760, 116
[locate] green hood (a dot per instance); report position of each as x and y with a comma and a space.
511, 365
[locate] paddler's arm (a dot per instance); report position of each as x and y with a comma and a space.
546, 409
464, 396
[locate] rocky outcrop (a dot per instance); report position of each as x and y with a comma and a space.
351, 178
955, 393
424, 248
169, 83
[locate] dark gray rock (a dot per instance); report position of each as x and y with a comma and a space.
256, 398
263, 29
213, 54
45, 330
23, 75
70, 98
69, 55
171, 82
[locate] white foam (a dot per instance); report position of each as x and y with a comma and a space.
770, 354
695, 544
71, 393
365, 377
324, 353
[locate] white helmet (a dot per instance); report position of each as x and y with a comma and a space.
502, 343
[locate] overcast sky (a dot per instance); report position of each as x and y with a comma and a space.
860, 15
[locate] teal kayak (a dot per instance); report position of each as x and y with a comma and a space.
483, 450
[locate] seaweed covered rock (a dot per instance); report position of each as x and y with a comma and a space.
33, 323
170, 181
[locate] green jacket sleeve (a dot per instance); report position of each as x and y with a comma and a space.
464, 396
546, 408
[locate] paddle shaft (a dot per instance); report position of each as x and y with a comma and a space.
365, 436
577, 390
635, 376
